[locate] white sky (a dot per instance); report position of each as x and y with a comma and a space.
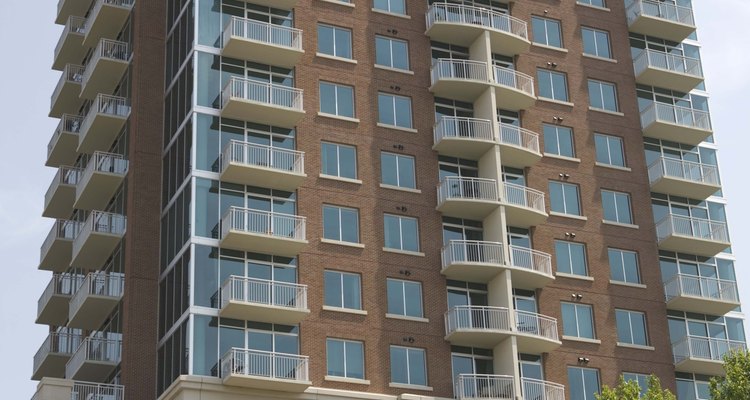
27, 39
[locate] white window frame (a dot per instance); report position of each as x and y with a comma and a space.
587, 392
389, 10
401, 232
346, 370
547, 22
552, 85
391, 53
336, 87
393, 97
341, 275
630, 314
558, 129
409, 350
403, 286
597, 45
341, 232
621, 254
570, 258
338, 159
601, 95
565, 199
576, 306
609, 139
618, 196
398, 158
337, 29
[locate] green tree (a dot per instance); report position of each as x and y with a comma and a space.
631, 391
736, 383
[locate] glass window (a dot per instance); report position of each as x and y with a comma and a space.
609, 150
631, 327
578, 320
583, 383
391, 53
558, 140
397, 170
343, 290
404, 298
564, 198
338, 160
602, 95
596, 42
394, 110
571, 258
623, 266
408, 366
595, 3
401, 233
336, 99
641, 379
546, 31
616, 207
345, 358
391, 6
341, 224
552, 85
335, 41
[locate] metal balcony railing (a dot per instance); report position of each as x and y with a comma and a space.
104, 222
262, 92
704, 348
62, 229
660, 9
681, 169
68, 124
463, 128
536, 324
703, 287
450, 68
472, 251
482, 386
101, 162
264, 32
264, 292
515, 80
264, 223
97, 391
68, 176
482, 318
106, 104
61, 343
265, 364
75, 25
522, 196
669, 62
264, 156
94, 349
697, 228
71, 74
535, 389
519, 137
109, 49
459, 188
127, 4
102, 284
460, 14
683, 116
59, 285
530, 259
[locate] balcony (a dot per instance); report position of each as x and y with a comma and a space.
100, 180
247, 39
513, 90
264, 103
106, 19
524, 207
265, 370
68, 8
264, 301
265, 166
701, 294
103, 123
54, 353
481, 386
661, 19
535, 389
703, 355
472, 260
532, 269
471, 198
536, 333
65, 98
463, 137
459, 24
55, 253
61, 194
52, 306
105, 69
97, 238
263, 231
63, 389
477, 326
463, 80
677, 124
69, 48
519, 147
95, 359
683, 178
61, 149
670, 71
95, 299
692, 235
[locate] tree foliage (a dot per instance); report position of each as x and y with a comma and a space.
629, 390
736, 384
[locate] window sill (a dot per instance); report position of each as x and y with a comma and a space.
612, 167
593, 57
635, 346
628, 284
404, 16
339, 3
613, 223
407, 318
404, 252
548, 47
579, 339
334, 116
559, 157
398, 128
399, 188
553, 101
339, 178
594, 7
336, 58
340, 243
573, 276
407, 386
402, 71
346, 380
344, 310
558, 214
617, 113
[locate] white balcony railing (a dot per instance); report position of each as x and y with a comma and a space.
265, 364
264, 156
65, 176
472, 251
480, 386
660, 9
460, 188
104, 222
264, 292
515, 80
264, 223
262, 92
127, 4
74, 25
536, 324
669, 62
59, 285
681, 169
101, 162
449, 68
697, 228
530, 259
106, 104
68, 124
704, 348
522, 196
94, 349
109, 49
60, 343
463, 128
461, 14
61, 230
97, 391
100, 284
482, 318
535, 389
703, 287
264, 32
71, 74
683, 116
519, 137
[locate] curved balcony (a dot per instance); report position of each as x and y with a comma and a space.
458, 79
100, 180
52, 306
68, 8
264, 103
66, 389
472, 260
703, 355
460, 24
471, 198
61, 149
536, 333
95, 299
692, 235
463, 137
61, 194
55, 253
677, 124
50, 359
524, 207
683, 178
65, 98
105, 68
263, 231
264, 301
97, 238
701, 294
661, 19
519, 147
532, 269
535, 389
103, 123
69, 48
483, 386
106, 19
260, 165
252, 40
265, 370
671, 71
477, 326
513, 90
95, 359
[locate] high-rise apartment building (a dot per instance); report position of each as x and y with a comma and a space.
382, 199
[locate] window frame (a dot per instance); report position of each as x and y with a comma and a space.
393, 100
644, 321
398, 169
403, 286
334, 30
597, 51
339, 168
609, 139
615, 196
601, 84
336, 87
345, 358
557, 130
570, 245
401, 233
342, 288
407, 367
341, 235
390, 10
563, 185
552, 85
547, 22
624, 269
576, 307
391, 52
586, 395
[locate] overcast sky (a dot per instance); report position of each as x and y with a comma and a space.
27, 39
